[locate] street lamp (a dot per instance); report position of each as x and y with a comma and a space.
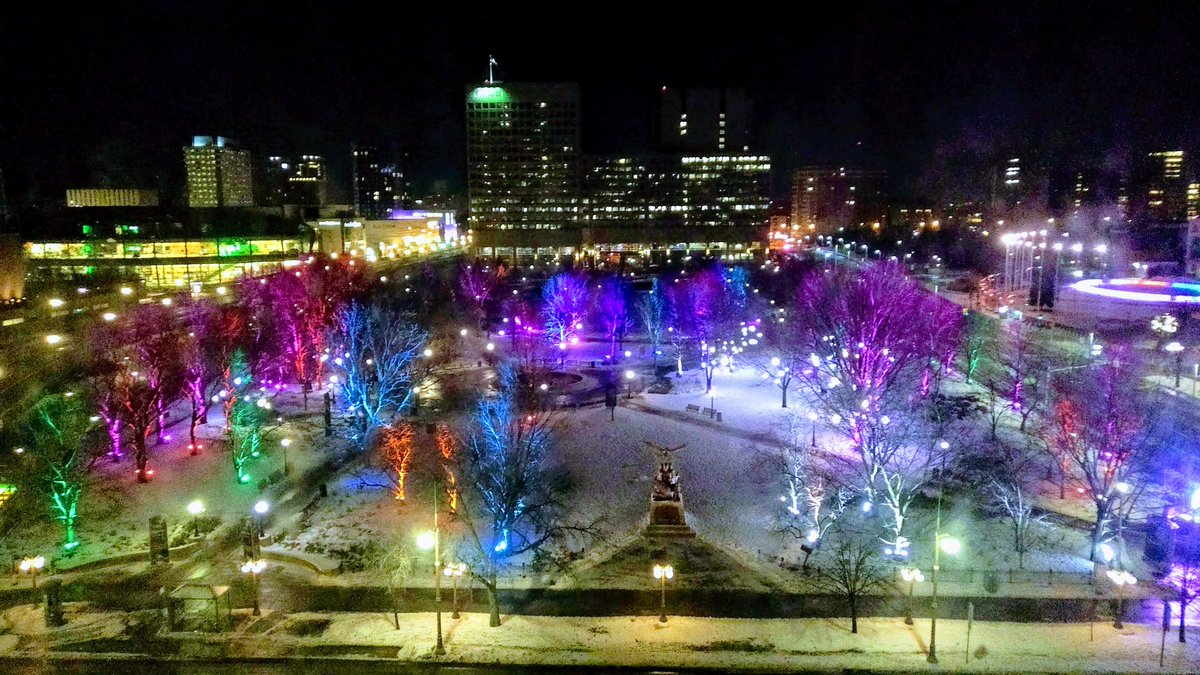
254, 568
287, 468
812, 417
32, 566
196, 508
1176, 349
261, 507
629, 375
912, 576
663, 573
432, 539
1121, 578
454, 571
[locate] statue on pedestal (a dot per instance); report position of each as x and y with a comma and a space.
666, 498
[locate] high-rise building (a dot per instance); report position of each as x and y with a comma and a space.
1193, 201
523, 158
308, 182
659, 191
830, 199
272, 185
1165, 187
379, 182
704, 120
111, 197
218, 173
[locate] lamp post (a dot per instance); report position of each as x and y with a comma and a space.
254, 568
812, 417
1121, 578
663, 573
940, 542
454, 571
629, 375
196, 508
433, 540
912, 576
261, 507
1176, 349
287, 468
32, 566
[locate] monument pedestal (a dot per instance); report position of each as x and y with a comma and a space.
667, 521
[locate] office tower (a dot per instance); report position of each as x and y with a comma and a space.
308, 182
272, 187
1193, 201
523, 158
1165, 187
109, 197
661, 191
831, 199
218, 173
704, 120
379, 182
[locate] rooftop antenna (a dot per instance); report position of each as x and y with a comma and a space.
491, 64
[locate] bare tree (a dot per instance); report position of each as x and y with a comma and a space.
812, 499
1097, 433
853, 569
510, 501
652, 308
380, 352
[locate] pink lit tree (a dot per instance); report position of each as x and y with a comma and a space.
200, 371
478, 288
873, 338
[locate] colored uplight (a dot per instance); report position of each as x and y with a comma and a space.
488, 95
1142, 290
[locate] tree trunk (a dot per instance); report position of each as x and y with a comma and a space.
114, 437
784, 390
141, 457
1098, 529
493, 599
853, 614
1183, 603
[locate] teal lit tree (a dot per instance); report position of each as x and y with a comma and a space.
246, 417
61, 429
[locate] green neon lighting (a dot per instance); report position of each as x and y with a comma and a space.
488, 95
70, 545
233, 248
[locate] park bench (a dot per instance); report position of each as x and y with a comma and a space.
693, 408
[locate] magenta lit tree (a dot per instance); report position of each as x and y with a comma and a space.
873, 337
478, 287
612, 311
1097, 434
200, 371
564, 306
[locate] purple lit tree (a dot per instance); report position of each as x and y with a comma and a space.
612, 311
200, 371
564, 305
874, 336
155, 336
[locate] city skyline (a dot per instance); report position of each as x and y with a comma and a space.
915, 91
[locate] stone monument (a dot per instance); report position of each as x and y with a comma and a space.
666, 498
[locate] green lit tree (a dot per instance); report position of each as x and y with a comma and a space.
60, 427
247, 413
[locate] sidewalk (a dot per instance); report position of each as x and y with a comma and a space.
884, 645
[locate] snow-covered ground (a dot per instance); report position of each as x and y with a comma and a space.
883, 645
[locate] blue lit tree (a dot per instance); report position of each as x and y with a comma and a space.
508, 485
564, 305
652, 308
380, 351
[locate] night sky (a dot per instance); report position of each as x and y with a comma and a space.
100, 92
